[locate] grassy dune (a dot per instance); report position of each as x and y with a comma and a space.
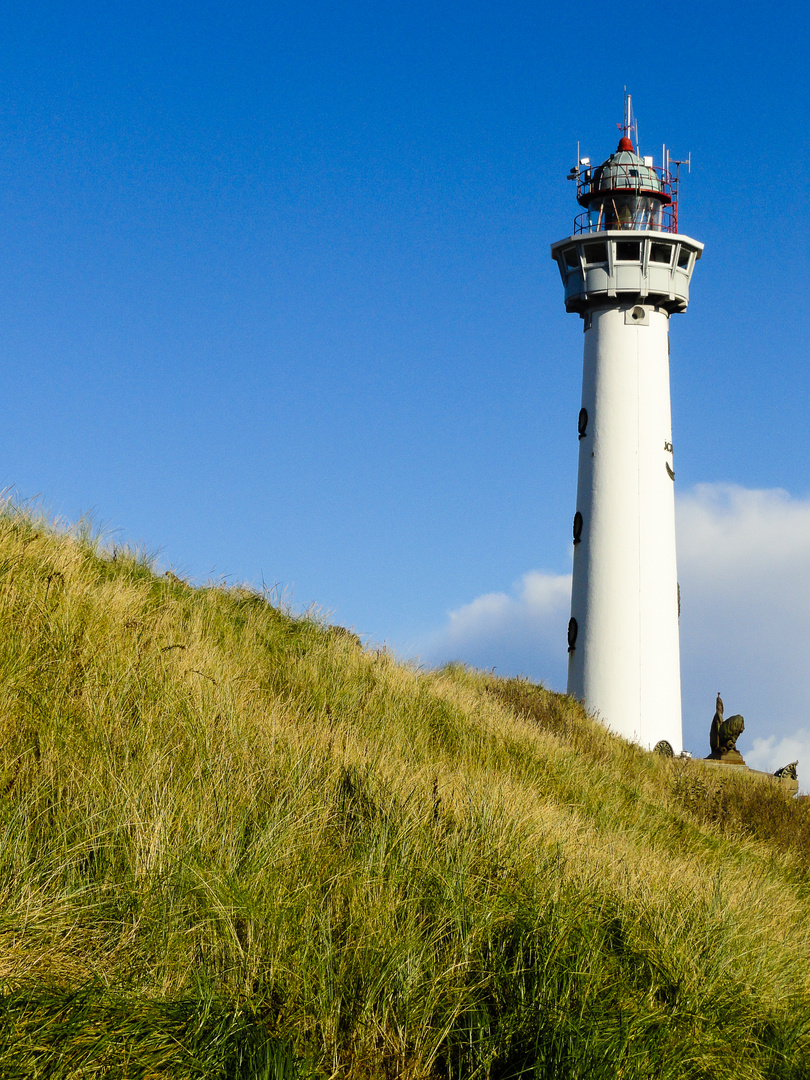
238, 844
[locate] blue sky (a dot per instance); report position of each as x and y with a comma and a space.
276, 302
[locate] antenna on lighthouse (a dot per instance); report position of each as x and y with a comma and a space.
630, 123
677, 162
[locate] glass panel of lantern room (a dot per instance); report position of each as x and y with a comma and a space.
632, 211
650, 217
626, 208
602, 215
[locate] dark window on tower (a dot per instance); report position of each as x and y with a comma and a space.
577, 527
571, 258
661, 253
582, 423
683, 258
627, 251
595, 253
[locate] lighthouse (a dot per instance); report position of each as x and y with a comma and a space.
626, 270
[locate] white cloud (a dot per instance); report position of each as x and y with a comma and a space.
771, 754
521, 633
744, 569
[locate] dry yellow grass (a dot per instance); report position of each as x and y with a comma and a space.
240, 840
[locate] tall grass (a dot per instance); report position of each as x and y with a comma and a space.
236, 843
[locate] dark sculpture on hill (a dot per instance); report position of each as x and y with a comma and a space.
717, 720
723, 737
724, 734
788, 771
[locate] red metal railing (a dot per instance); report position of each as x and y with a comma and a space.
627, 177
663, 220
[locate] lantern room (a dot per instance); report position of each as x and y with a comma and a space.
625, 192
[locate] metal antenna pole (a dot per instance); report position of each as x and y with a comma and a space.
677, 162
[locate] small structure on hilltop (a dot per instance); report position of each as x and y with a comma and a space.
723, 736
787, 772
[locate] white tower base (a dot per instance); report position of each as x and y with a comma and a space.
625, 663
624, 657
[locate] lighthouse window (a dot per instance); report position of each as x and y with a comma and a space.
595, 253
683, 258
571, 258
572, 634
582, 423
627, 251
577, 527
661, 253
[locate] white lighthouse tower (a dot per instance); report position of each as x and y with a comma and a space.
626, 270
